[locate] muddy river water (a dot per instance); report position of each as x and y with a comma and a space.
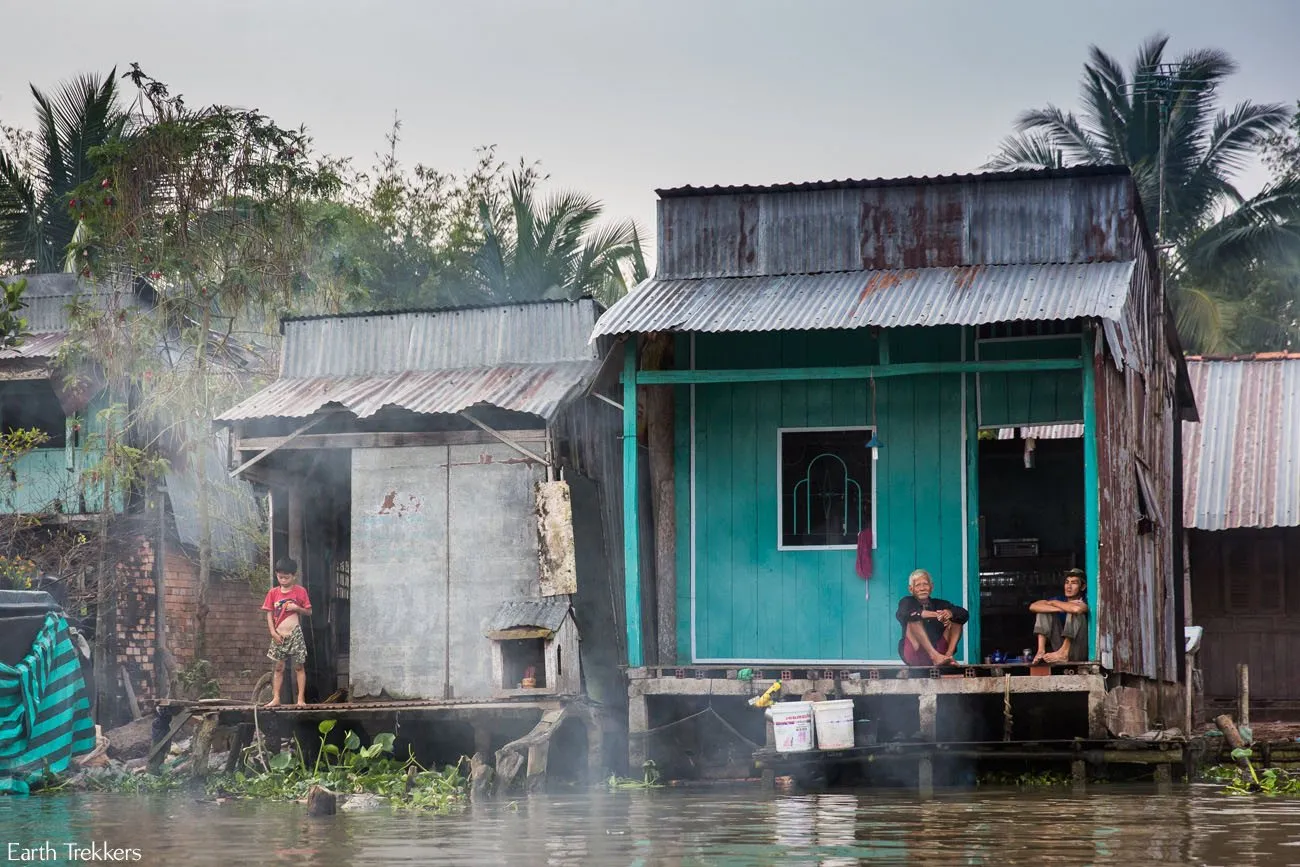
1106, 825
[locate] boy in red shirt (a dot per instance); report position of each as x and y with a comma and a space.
283, 605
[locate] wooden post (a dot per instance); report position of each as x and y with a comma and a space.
660, 435
321, 802
638, 724
631, 511
295, 528
1235, 741
1189, 692
201, 751
1243, 693
1091, 483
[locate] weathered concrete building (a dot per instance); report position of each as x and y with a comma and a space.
1242, 511
450, 489
836, 360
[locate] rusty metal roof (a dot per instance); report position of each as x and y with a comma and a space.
536, 389
963, 295
1241, 463
868, 183
388, 343
41, 347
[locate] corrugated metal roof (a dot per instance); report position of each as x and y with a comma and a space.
232, 510
47, 297
1042, 432
1242, 460
387, 343
966, 295
536, 389
923, 180
34, 347
546, 613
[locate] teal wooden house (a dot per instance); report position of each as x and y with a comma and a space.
975, 375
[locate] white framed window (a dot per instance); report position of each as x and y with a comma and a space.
826, 478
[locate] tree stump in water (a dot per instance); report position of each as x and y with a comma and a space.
480, 778
321, 802
1234, 739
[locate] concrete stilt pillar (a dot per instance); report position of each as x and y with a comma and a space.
1097, 714
925, 777
638, 723
929, 712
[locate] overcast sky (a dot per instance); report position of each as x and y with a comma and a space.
618, 98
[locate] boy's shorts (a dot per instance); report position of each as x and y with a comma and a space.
293, 647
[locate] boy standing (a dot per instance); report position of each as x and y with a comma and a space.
283, 606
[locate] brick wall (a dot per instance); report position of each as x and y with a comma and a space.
236, 628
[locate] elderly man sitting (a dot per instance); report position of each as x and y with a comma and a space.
931, 627
1061, 623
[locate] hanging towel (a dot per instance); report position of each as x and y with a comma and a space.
863, 563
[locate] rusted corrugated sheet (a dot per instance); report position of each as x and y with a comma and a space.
923, 296
998, 219
1242, 460
536, 389
47, 299
34, 347
386, 343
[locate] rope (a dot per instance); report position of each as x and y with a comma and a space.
708, 710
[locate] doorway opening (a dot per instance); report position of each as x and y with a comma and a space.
1031, 529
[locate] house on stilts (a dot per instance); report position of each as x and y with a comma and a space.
448, 481
976, 375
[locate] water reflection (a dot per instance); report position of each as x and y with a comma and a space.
671, 827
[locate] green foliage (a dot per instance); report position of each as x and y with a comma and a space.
12, 326
115, 779
649, 779
1232, 261
17, 573
39, 172
347, 768
1271, 781
198, 680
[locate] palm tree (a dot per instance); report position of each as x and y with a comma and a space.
37, 221
1211, 232
551, 249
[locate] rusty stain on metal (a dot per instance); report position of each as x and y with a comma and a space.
964, 278
412, 504
1242, 460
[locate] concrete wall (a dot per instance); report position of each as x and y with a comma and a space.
441, 535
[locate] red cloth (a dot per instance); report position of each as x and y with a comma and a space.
918, 657
276, 600
863, 563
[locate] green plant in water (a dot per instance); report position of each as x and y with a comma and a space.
1025, 780
1272, 781
347, 768
649, 780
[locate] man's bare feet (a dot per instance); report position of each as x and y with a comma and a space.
272, 704
1037, 659
1055, 657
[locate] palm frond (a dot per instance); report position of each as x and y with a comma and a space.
1026, 151
1063, 129
1199, 317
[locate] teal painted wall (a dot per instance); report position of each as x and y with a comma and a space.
754, 602
55, 480
1008, 399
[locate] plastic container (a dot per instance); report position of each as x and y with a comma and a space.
792, 725
834, 724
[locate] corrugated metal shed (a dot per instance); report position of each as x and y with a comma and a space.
379, 343
545, 613
969, 295
233, 512
536, 389
1242, 460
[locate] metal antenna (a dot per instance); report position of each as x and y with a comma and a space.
1164, 84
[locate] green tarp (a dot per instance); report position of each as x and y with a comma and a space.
44, 712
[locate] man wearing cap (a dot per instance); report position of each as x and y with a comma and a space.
1061, 623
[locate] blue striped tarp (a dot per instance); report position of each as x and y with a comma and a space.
44, 711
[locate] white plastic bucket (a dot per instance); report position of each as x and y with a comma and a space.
834, 724
792, 724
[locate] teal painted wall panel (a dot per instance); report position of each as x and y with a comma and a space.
57, 480
752, 601
1008, 399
